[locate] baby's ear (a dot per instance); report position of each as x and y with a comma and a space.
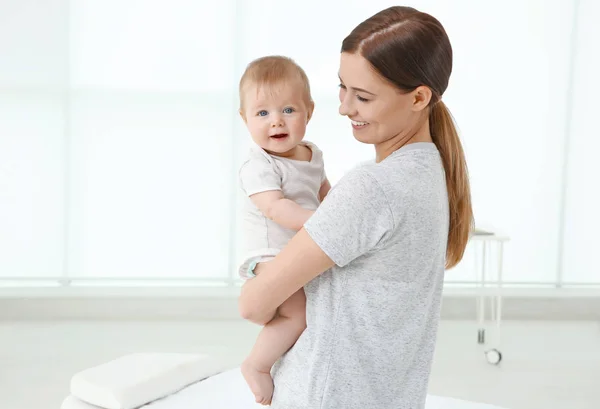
242, 115
311, 108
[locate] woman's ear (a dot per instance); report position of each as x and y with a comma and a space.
421, 97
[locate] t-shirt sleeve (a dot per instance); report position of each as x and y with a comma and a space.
353, 219
322, 162
319, 160
258, 175
323, 175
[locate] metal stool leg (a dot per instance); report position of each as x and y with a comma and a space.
494, 356
480, 271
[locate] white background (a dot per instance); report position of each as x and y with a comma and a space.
120, 139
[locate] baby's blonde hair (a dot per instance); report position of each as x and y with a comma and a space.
271, 70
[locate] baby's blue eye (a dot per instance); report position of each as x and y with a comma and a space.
288, 110
262, 113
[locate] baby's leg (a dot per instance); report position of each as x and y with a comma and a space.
278, 336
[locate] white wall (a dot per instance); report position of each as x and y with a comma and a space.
582, 194
119, 134
33, 78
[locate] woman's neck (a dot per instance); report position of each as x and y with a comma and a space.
420, 134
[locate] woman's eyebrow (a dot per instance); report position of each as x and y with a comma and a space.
355, 88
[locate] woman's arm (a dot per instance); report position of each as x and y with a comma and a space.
354, 219
298, 263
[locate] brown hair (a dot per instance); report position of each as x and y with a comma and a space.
272, 70
409, 48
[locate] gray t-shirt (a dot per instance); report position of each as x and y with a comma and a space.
372, 319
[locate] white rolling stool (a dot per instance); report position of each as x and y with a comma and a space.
486, 243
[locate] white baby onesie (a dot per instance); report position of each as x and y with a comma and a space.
300, 181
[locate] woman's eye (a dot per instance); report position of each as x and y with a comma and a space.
262, 113
288, 110
342, 86
361, 99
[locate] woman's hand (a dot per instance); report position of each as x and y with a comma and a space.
299, 262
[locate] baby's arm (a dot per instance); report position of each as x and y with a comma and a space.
325, 187
282, 211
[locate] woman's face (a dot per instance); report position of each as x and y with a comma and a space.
379, 111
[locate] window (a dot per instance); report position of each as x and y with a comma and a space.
120, 138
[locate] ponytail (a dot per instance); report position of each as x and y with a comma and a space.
444, 135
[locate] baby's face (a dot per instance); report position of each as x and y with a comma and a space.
276, 116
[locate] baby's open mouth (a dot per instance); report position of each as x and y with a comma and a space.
279, 136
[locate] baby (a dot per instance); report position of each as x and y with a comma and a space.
284, 181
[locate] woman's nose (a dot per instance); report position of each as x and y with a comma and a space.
346, 108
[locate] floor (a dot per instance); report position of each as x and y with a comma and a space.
546, 365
